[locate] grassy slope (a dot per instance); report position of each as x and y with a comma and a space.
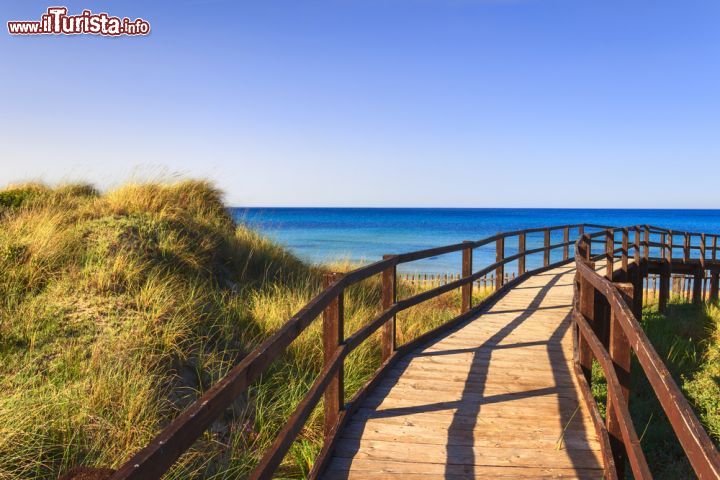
687, 338
117, 310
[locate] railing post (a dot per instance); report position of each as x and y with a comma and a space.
389, 295
499, 256
714, 274
663, 246
666, 274
583, 246
620, 353
546, 253
625, 250
647, 243
588, 252
521, 250
333, 325
566, 239
698, 277
467, 261
637, 278
703, 246
686, 248
586, 306
714, 285
581, 233
609, 253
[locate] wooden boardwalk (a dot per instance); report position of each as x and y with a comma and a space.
495, 398
499, 391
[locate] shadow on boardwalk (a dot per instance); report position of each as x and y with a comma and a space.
462, 456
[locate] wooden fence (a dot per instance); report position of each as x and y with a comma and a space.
607, 307
429, 280
682, 286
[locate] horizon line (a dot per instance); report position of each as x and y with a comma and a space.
473, 208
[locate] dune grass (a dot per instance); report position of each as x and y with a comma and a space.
117, 310
687, 338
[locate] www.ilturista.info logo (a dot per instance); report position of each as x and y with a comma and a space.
57, 22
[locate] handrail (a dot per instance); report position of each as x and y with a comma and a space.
613, 352
160, 454
629, 435
655, 229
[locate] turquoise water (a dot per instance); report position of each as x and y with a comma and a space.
364, 234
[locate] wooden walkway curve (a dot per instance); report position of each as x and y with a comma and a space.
503, 389
494, 398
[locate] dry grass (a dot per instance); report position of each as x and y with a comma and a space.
117, 310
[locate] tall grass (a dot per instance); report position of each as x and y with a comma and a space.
118, 310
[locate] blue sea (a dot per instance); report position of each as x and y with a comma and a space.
360, 235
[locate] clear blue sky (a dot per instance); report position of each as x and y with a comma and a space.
378, 102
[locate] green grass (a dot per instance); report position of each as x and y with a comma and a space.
687, 338
117, 310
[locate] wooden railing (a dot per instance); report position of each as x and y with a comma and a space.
606, 312
160, 454
682, 285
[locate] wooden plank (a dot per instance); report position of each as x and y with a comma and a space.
510, 457
545, 398
432, 471
507, 423
478, 472
504, 375
482, 436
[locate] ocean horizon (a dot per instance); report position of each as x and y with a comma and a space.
361, 235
